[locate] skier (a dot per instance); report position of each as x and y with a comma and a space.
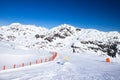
73, 48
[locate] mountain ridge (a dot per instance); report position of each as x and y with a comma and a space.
60, 37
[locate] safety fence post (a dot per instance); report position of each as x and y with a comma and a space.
108, 60
15, 66
4, 67
36, 61
30, 63
45, 60
23, 65
54, 56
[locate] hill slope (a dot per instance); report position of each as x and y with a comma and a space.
24, 43
61, 37
78, 67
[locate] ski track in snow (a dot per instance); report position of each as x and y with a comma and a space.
79, 67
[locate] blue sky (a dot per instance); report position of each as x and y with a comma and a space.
99, 14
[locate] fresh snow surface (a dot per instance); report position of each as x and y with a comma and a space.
82, 66
24, 43
10, 55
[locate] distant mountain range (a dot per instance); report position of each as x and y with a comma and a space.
61, 37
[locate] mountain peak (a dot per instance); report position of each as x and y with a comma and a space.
65, 25
15, 24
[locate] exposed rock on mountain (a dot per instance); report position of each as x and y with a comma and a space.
61, 37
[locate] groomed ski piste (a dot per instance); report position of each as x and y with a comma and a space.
66, 66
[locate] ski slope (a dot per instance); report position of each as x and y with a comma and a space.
17, 54
83, 66
24, 43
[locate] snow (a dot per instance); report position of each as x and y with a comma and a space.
85, 64
10, 55
81, 66
24, 35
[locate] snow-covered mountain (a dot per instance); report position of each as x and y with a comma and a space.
61, 37
22, 44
